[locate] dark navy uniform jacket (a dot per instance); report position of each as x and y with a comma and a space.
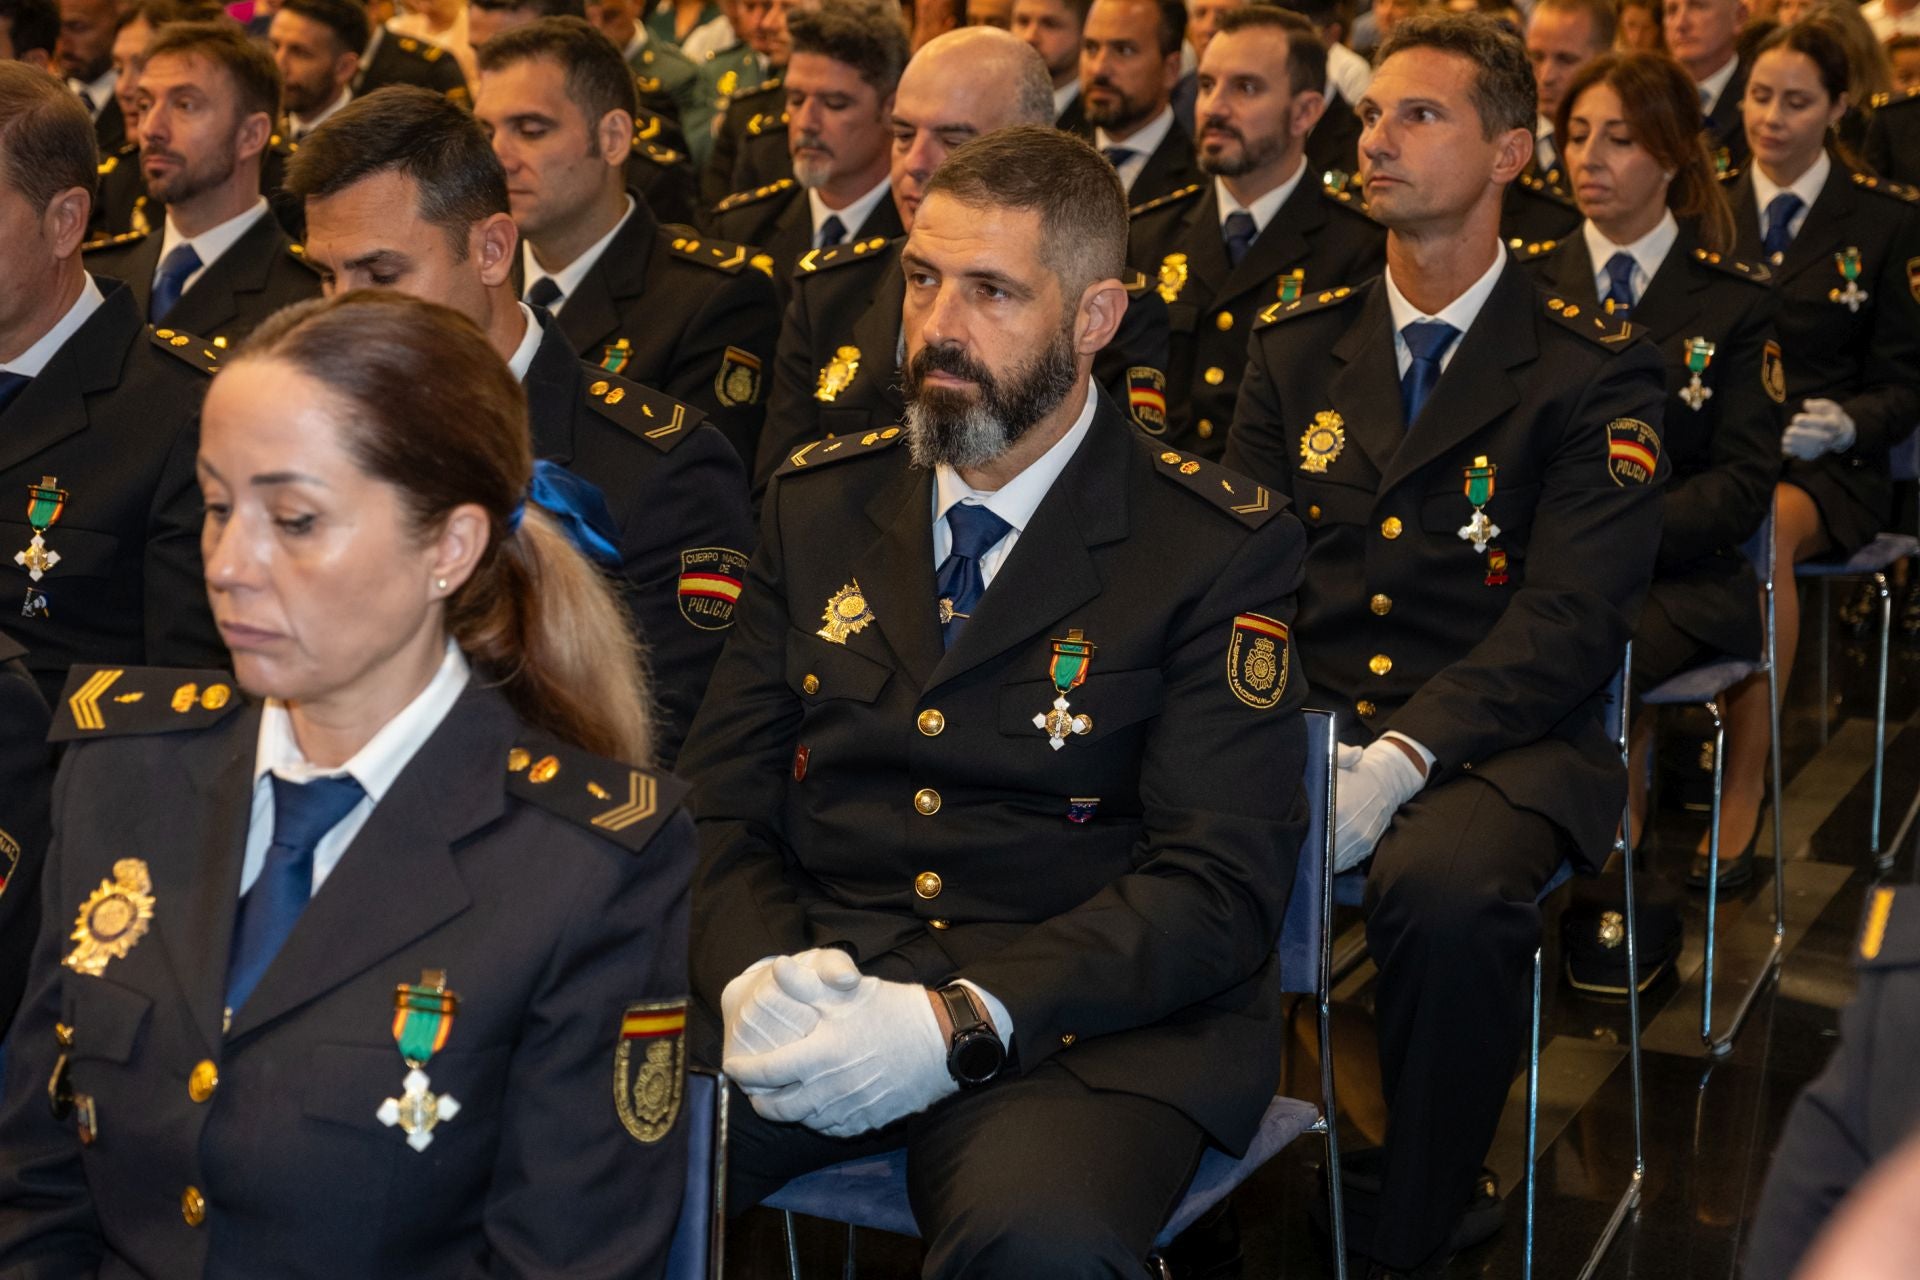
26, 777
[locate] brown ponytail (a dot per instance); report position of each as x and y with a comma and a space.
435, 412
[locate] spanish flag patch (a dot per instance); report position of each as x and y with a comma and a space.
710, 580
1633, 451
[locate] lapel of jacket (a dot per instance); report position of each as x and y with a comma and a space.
790, 233
1746, 221
1200, 238
1366, 389
53, 406
398, 879
198, 893
1168, 168
1568, 272
142, 262
553, 392
876, 335
1825, 229
1476, 387
590, 319
882, 220
1284, 243
1671, 301
895, 571
1050, 570
213, 302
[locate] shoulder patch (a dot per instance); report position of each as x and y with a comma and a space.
658, 419
1301, 306
626, 805
721, 255
1251, 503
197, 352
1896, 190
754, 195
839, 256
1171, 198
764, 121
114, 702
1754, 272
820, 453
1592, 324
134, 236
1890, 933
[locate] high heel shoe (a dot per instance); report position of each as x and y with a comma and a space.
1735, 872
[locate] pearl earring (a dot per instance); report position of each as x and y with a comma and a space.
440, 583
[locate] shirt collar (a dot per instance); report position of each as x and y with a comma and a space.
568, 278
1716, 84
637, 43
1460, 313
35, 358
1807, 186
307, 124
1648, 252
214, 241
1263, 209
1143, 141
376, 765
1065, 96
99, 90
854, 216
1017, 500
529, 344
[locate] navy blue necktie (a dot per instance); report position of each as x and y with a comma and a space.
1117, 156
1781, 211
171, 281
303, 813
544, 293
1619, 297
1240, 231
1427, 341
832, 232
11, 385
960, 584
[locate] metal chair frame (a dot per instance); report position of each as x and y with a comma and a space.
705, 1258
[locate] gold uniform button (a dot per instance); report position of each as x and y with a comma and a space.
1381, 605
940, 924
927, 801
933, 724
204, 1080
811, 684
1379, 664
1223, 321
1206, 429
1365, 708
1313, 512
193, 1206
927, 885
1215, 376
1390, 528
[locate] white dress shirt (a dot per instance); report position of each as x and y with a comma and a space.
854, 216
568, 278
98, 92
301, 126
1460, 313
1716, 84
31, 361
1648, 252
1888, 25
1065, 96
209, 244
1143, 142
1348, 72
1262, 209
1807, 186
1544, 154
374, 767
522, 358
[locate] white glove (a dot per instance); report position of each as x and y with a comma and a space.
772, 1003
1373, 783
874, 1056
1820, 427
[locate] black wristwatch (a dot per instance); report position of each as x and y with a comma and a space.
975, 1054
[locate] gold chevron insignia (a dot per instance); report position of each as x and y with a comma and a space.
642, 800
85, 703
1255, 507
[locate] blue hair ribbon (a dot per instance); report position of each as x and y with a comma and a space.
578, 507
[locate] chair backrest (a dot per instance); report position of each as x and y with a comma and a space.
696, 1250
1303, 941
1904, 461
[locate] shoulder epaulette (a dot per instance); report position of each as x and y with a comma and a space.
721, 255
1300, 306
645, 131
426, 49
1881, 101
1731, 174
1591, 324
1890, 935
658, 419
624, 804
1161, 202
1895, 190
134, 236
298, 252
821, 453
1347, 198
647, 84
112, 702
765, 120
1539, 186
1252, 503
839, 256
1527, 250
765, 86
1753, 272
741, 198
664, 156
197, 352
1135, 282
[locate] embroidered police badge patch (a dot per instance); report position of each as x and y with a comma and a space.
1633, 451
1257, 660
650, 1068
710, 579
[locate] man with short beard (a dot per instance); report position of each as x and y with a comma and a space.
221, 264
846, 62
998, 779
85, 54
1129, 64
316, 45
1052, 28
1263, 230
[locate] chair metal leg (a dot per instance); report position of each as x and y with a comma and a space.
1882, 858
793, 1247
1533, 1115
852, 1264
1826, 607
1723, 1043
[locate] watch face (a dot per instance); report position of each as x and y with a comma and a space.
977, 1058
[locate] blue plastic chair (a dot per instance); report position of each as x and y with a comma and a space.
699, 1236
872, 1193
1702, 687
1349, 889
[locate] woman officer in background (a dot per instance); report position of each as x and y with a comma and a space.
442, 746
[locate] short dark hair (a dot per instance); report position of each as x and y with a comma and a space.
46, 137
1082, 207
540, 8
1603, 14
1306, 52
224, 42
31, 24
859, 33
419, 134
158, 13
344, 18
598, 78
1503, 90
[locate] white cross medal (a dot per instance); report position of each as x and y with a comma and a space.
1853, 295
1071, 658
1480, 530
422, 1020
45, 502
1699, 356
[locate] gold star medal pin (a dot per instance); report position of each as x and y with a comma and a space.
1322, 442
1848, 264
1173, 277
1699, 356
846, 614
45, 502
422, 1021
1071, 658
112, 919
1480, 530
838, 375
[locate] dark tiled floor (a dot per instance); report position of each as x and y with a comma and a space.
1710, 1124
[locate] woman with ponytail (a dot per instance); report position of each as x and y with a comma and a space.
338, 966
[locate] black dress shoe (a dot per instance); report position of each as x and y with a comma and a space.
1482, 1219
1735, 872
